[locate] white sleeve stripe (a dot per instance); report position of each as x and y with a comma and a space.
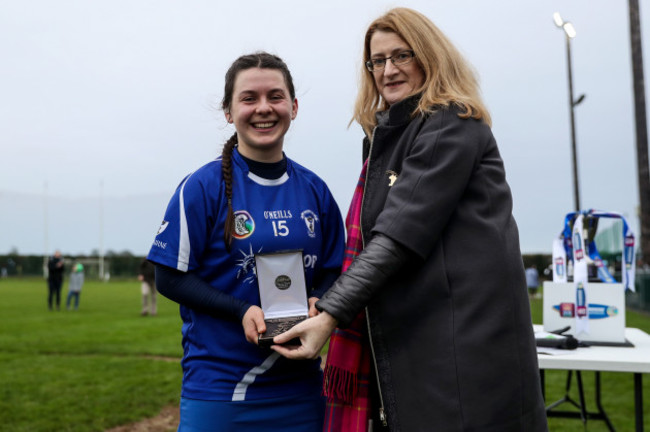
242, 386
184, 236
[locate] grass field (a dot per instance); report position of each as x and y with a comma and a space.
105, 365
86, 370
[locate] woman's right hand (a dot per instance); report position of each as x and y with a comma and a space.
253, 323
313, 333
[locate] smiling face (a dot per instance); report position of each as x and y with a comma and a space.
261, 110
394, 83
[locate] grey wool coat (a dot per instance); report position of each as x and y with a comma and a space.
451, 329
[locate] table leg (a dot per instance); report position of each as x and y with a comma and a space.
601, 411
638, 401
581, 394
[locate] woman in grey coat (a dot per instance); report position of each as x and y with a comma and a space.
440, 276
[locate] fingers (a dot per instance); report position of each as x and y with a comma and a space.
251, 332
304, 351
295, 352
260, 325
307, 349
312, 307
253, 324
313, 334
287, 336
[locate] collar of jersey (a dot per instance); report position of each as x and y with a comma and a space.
257, 179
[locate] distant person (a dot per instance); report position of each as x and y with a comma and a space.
74, 285
532, 281
55, 268
147, 276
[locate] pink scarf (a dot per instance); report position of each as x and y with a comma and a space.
347, 368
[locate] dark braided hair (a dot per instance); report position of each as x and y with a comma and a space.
260, 60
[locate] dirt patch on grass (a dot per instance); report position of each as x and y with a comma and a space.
166, 421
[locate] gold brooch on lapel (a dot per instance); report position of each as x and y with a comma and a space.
392, 177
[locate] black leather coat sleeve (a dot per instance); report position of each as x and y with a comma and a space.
381, 258
324, 281
189, 290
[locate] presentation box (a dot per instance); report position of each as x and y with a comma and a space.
283, 292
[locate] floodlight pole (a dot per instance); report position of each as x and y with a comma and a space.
572, 104
101, 230
46, 244
570, 33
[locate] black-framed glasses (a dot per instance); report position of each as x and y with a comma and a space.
399, 59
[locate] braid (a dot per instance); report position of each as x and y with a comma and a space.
226, 171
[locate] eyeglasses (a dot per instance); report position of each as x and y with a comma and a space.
399, 59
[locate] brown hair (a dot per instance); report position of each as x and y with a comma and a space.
449, 79
260, 60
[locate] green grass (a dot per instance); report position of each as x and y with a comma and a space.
104, 365
87, 370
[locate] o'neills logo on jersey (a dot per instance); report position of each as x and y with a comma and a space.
244, 224
310, 219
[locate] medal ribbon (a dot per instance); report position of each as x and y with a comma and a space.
627, 254
580, 277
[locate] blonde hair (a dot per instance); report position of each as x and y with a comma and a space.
448, 78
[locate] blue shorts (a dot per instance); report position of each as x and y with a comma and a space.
303, 413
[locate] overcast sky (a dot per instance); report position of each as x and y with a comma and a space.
106, 105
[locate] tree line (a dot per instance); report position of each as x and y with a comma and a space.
122, 265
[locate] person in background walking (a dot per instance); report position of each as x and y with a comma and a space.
532, 281
148, 278
55, 268
74, 285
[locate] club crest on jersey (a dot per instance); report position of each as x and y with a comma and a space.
163, 227
244, 224
310, 219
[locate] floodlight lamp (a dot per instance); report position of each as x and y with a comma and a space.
569, 30
558, 19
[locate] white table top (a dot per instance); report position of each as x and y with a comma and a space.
604, 359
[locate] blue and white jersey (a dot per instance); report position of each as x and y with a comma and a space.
296, 211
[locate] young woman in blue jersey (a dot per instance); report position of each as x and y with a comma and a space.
252, 199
